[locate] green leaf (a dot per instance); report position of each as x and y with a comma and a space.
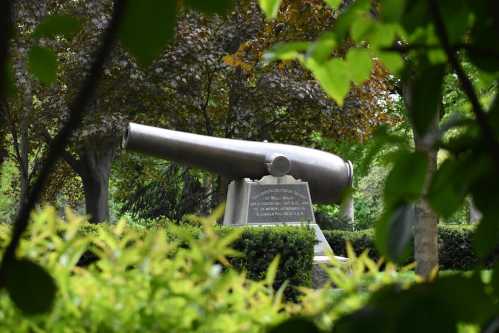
42, 63
360, 65
426, 96
486, 237
285, 51
457, 288
295, 325
55, 25
394, 232
437, 56
272, 270
333, 77
495, 280
361, 29
485, 188
456, 16
148, 26
322, 48
270, 7
392, 60
333, 3
212, 7
30, 287
392, 10
359, 10
366, 319
483, 28
446, 194
382, 35
438, 305
415, 15
494, 112
406, 180
9, 79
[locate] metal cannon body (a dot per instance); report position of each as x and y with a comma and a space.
327, 174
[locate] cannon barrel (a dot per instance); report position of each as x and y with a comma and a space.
327, 174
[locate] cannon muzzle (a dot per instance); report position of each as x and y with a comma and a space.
327, 174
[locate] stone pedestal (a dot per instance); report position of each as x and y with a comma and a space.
319, 275
273, 201
269, 200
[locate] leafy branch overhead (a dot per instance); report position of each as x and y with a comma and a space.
423, 40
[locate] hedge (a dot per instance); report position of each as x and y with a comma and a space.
294, 245
455, 246
258, 246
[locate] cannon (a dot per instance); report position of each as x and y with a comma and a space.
271, 183
326, 174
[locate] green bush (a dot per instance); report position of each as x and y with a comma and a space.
294, 245
455, 246
174, 280
258, 246
360, 240
143, 282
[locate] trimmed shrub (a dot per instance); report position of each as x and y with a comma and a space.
360, 240
258, 247
294, 245
455, 246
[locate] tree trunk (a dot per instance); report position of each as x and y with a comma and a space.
425, 229
221, 191
23, 146
426, 232
94, 172
3, 137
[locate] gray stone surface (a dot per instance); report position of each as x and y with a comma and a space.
279, 203
269, 200
321, 248
273, 201
319, 275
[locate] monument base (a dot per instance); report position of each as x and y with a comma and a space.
273, 201
269, 200
319, 275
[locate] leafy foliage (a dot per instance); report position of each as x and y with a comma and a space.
406, 37
456, 249
148, 26
30, 287
43, 64
258, 248
429, 36
152, 285
180, 279
55, 25
294, 248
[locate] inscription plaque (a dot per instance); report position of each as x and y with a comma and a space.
280, 203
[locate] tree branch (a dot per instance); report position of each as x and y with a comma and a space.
5, 31
15, 139
466, 85
77, 109
73, 162
204, 108
406, 48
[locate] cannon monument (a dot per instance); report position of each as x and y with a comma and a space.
271, 183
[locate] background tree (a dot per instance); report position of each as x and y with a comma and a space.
380, 28
215, 81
